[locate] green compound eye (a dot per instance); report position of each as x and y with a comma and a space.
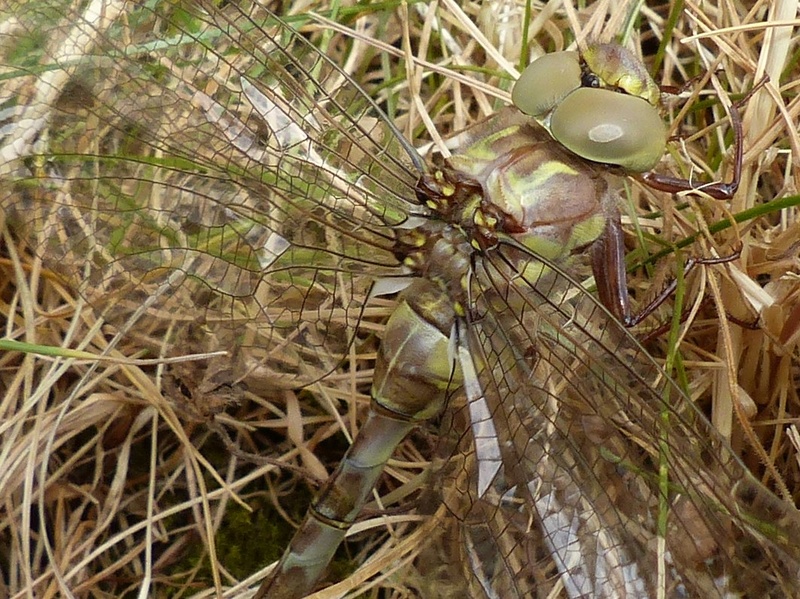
618, 126
547, 81
610, 127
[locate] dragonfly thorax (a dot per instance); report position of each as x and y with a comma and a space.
531, 189
439, 252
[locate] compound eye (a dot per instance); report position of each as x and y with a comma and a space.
547, 81
610, 127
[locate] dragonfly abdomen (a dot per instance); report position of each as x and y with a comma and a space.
414, 370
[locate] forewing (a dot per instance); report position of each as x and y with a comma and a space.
613, 482
212, 166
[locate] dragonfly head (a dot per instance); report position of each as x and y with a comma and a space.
601, 105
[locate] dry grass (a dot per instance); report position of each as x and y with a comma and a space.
113, 476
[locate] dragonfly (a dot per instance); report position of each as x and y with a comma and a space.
251, 175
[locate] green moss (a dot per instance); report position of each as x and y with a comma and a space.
247, 541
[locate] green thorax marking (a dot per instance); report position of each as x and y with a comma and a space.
529, 189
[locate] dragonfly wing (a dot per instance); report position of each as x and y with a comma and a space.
613, 482
222, 171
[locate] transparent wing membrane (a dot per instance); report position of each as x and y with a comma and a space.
607, 460
264, 198
220, 169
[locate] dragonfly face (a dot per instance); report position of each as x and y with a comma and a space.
250, 175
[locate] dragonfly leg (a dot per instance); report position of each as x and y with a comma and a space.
719, 190
608, 266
